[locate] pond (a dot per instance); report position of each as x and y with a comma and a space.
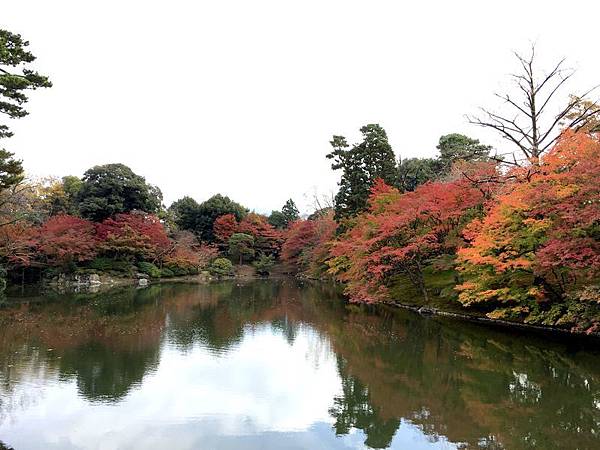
281, 364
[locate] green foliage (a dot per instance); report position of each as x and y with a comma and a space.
221, 267
241, 247
181, 270
71, 186
454, 147
361, 165
458, 147
2, 280
414, 172
200, 218
278, 220
11, 170
185, 213
60, 197
165, 272
102, 264
114, 188
149, 269
264, 264
177, 270
290, 211
13, 85
288, 214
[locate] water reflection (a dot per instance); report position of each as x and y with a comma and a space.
278, 364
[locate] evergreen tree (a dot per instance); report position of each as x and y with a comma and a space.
200, 217
11, 170
413, 172
13, 54
278, 220
361, 165
290, 211
114, 188
458, 147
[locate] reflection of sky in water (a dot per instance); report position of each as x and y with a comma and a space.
265, 393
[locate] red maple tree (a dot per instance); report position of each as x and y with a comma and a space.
66, 239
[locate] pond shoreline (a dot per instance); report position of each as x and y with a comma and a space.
109, 282
546, 329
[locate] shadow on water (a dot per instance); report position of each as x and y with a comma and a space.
458, 382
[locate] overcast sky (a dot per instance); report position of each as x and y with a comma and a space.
242, 97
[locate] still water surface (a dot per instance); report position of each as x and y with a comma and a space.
280, 365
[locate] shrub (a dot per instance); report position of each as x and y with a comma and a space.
221, 267
166, 273
149, 269
111, 265
264, 264
179, 270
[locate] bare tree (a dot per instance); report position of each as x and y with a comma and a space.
528, 122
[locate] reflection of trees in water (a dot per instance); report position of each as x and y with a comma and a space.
353, 409
486, 388
104, 374
22, 364
107, 344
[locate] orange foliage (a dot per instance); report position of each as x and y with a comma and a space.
548, 227
401, 232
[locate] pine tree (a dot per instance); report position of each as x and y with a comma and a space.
361, 165
290, 211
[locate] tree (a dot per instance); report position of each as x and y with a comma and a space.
290, 211
529, 123
307, 244
298, 238
17, 244
582, 107
458, 147
134, 236
241, 247
11, 170
13, 85
288, 214
401, 233
264, 264
200, 218
278, 220
267, 240
54, 196
185, 212
113, 189
64, 240
361, 165
414, 172
12, 189
224, 227
539, 244
212, 208
71, 186
187, 255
